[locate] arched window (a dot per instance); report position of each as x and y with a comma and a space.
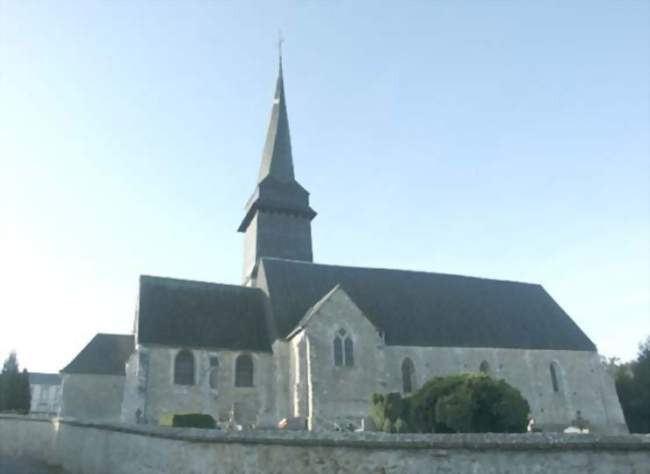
349, 352
244, 371
554, 377
343, 349
338, 351
184, 368
214, 373
408, 376
484, 367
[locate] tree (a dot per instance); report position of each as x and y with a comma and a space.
463, 403
14, 386
633, 388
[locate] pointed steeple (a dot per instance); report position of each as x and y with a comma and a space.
276, 157
278, 217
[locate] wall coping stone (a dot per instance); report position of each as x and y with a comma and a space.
371, 440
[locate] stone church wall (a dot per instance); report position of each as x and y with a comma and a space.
92, 397
161, 396
582, 382
110, 448
329, 393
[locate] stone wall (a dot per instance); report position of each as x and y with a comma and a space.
325, 393
319, 389
103, 448
46, 398
583, 384
93, 397
150, 386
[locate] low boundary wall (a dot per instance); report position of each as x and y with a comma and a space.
108, 448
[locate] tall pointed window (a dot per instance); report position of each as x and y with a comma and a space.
214, 373
555, 377
343, 349
408, 376
338, 351
244, 371
184, 368
349, 352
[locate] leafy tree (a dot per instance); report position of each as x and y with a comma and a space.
14, 386
463, 403
633, 388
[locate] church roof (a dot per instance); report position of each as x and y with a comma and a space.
39, 378
105, 354
198, 314
426, 309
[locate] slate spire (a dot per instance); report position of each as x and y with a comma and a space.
276, 157
277, 222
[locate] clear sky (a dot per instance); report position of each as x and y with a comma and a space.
497, 139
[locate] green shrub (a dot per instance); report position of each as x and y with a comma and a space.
463, 403
401, 426
190, 420
388, 409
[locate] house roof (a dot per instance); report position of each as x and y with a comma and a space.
426, 309
198, 314
39, 378
105, 354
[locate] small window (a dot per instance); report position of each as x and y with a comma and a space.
244, 371
338, 351
214, 373
184, 368
484, 367
349, 352
554, 377
408, 376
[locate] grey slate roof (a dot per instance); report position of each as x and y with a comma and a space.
198, 314
39, 378
426, 309
277, 160
105, 354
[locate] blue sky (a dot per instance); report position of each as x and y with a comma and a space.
497, 139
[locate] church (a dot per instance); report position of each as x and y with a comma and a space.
312, 342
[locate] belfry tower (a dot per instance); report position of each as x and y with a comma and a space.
278, 217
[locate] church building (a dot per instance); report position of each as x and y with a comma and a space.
313, 341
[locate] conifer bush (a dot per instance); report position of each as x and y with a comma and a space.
15, 393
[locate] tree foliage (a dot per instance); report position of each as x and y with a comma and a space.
463, 403
390, 412
633, 388
14, 386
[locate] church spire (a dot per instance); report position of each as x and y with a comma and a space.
277, 160
278, 217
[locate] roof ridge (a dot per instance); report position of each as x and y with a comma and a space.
189, 282
112, 334
419, 272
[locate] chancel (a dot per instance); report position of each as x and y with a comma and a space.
304, 340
